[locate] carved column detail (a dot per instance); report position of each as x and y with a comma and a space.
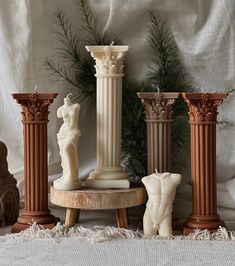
35, 118
203, 118
109, 73
158, 115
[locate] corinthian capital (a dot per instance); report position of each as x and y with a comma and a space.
158, 106
109, 59
34, 105
203, 106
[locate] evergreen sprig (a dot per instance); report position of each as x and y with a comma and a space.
134, 154
91, 27
75, 66
167, 70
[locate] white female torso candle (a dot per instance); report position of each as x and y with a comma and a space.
68, 137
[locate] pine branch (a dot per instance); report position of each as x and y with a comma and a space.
90, 25
89, 22
61, 72
231, 91
134, 155
70, 42
75, 66
225, 123
167, 71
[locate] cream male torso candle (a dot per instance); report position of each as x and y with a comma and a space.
161, 190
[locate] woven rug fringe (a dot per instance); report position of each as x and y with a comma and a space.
100, 234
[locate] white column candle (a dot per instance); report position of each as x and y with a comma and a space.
109, 73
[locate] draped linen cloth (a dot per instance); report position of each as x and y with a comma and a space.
204, 33
75, 251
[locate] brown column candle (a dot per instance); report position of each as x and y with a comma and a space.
203, 116
158, 114
35, 118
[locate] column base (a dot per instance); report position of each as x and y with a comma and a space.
108, 177
25, 220
61, 184
209, 222
92, 183
108, 173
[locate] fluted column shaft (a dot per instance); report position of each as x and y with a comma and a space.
35, 118
109, 72
158, 146
203, 143
203, 119
158, 114
109, 113
36, 169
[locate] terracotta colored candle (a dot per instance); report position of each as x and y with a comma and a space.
35, 118
109, 73
203, 118
158, 117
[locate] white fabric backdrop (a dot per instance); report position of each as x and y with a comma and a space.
204, 32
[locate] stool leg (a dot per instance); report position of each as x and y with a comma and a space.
70, 218
121, 216
78, 216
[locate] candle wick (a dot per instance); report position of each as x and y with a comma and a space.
158, 89
202, 89
36, 88
69, 95
112, 43
156, 171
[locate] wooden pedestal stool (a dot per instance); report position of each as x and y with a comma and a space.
97, 199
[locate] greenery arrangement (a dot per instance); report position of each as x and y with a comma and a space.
76, 68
